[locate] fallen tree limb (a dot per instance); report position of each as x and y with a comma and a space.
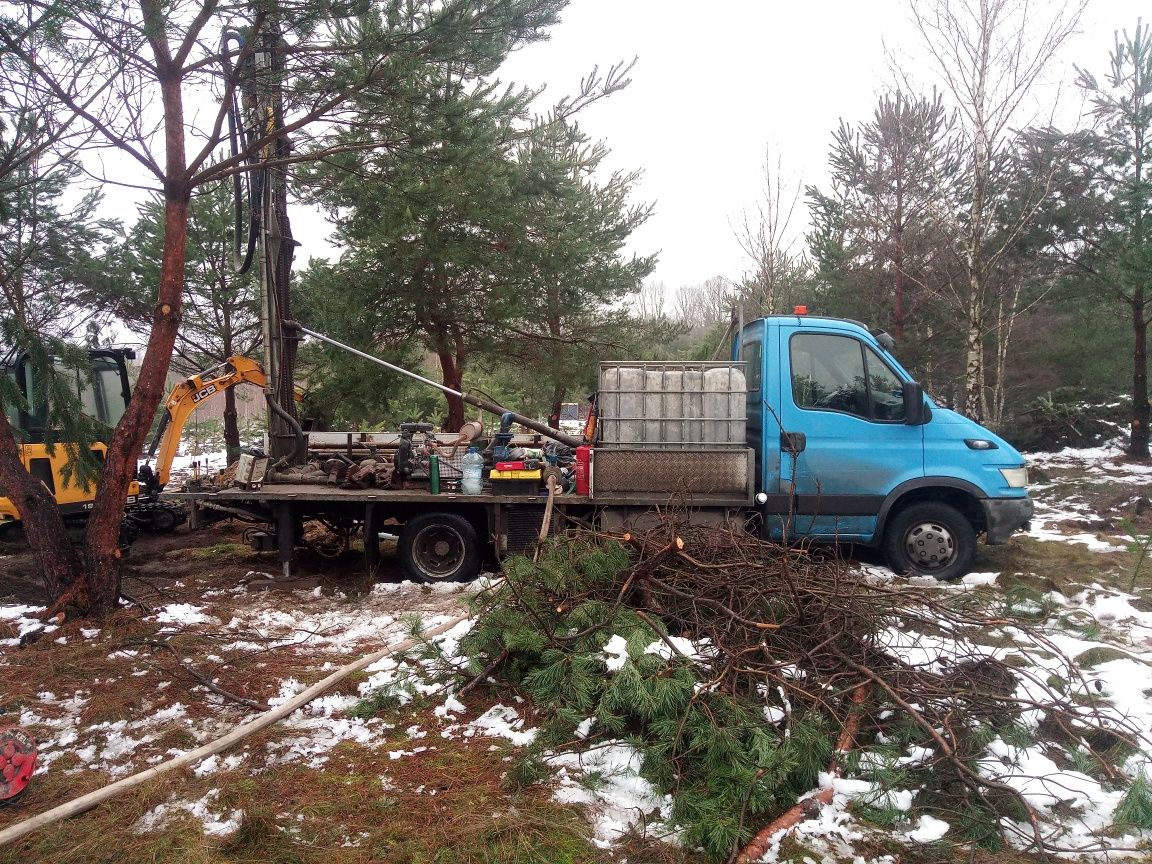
809, 807
99, 796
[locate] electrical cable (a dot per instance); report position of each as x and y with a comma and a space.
246, 232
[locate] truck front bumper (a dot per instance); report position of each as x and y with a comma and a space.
1003, 516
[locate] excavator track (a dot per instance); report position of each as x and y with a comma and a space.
158, 517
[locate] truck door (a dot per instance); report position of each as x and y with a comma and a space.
753, 349
844, 443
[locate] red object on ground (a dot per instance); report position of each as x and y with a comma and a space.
583, 462
17, 762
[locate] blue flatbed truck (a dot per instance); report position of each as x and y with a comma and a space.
849, 448
813, 432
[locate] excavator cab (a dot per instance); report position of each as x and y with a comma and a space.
104, 390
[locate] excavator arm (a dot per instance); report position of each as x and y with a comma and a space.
187, 396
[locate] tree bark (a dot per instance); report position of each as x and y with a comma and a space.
973, 353
101, 576
451, 375
558, 393
1138, 439
43, 526
231, 426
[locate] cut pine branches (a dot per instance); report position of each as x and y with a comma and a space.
786, 645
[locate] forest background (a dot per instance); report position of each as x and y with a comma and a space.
487, 242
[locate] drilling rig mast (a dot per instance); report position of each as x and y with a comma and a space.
263, 235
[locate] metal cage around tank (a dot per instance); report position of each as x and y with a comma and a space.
679, 405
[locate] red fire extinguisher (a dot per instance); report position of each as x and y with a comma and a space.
583, 464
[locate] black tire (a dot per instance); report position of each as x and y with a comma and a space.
930, 539
163, 518
439, 547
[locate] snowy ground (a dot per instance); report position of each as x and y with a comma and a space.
236, 634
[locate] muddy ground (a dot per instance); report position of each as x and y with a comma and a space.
218, 554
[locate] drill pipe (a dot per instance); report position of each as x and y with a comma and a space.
483, 404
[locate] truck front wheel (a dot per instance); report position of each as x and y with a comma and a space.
930, 539
439, 547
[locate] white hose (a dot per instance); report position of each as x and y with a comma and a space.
87, 802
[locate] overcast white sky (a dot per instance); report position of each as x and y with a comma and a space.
717, 83
715, 86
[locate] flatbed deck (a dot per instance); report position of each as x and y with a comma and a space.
315, 492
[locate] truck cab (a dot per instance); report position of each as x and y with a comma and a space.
849, 449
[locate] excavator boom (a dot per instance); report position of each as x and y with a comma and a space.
187, 396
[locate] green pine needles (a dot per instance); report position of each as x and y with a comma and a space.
1135, 810
736, 721
724, 766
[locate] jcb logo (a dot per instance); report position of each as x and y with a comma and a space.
205, 393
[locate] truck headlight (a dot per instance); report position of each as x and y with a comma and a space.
1016, 478
981, 444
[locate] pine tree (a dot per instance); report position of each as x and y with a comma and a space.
877, 226
1100, 217
221, 314
483, 235
143, 60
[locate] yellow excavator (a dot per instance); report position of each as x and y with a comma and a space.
105, 394
185, 398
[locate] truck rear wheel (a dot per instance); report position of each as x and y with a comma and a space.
930, 539
439, 547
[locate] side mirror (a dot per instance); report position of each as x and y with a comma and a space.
916, 410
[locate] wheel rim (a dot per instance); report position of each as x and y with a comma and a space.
930, 546
438, 551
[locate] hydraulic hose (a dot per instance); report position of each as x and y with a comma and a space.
297, 455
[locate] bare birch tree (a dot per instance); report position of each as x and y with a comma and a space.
989, 54
706, 304
767, 237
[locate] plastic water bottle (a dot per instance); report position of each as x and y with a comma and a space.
472, 482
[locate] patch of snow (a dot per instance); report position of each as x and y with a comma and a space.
618, 798
184, 613
501, 721
214, 825
928, 829
615, 653
451, 705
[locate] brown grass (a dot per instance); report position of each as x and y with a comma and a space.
292, 813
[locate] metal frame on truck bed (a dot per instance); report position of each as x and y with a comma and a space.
447, 536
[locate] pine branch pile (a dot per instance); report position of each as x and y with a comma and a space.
729, 665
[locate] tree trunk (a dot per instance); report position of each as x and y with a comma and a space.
1138, 440
451, 375
231, 426
55, 555
558, 393
101, 584
973, 354
898, 312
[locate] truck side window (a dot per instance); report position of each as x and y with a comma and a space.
885, 389
750, 354
839, 373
